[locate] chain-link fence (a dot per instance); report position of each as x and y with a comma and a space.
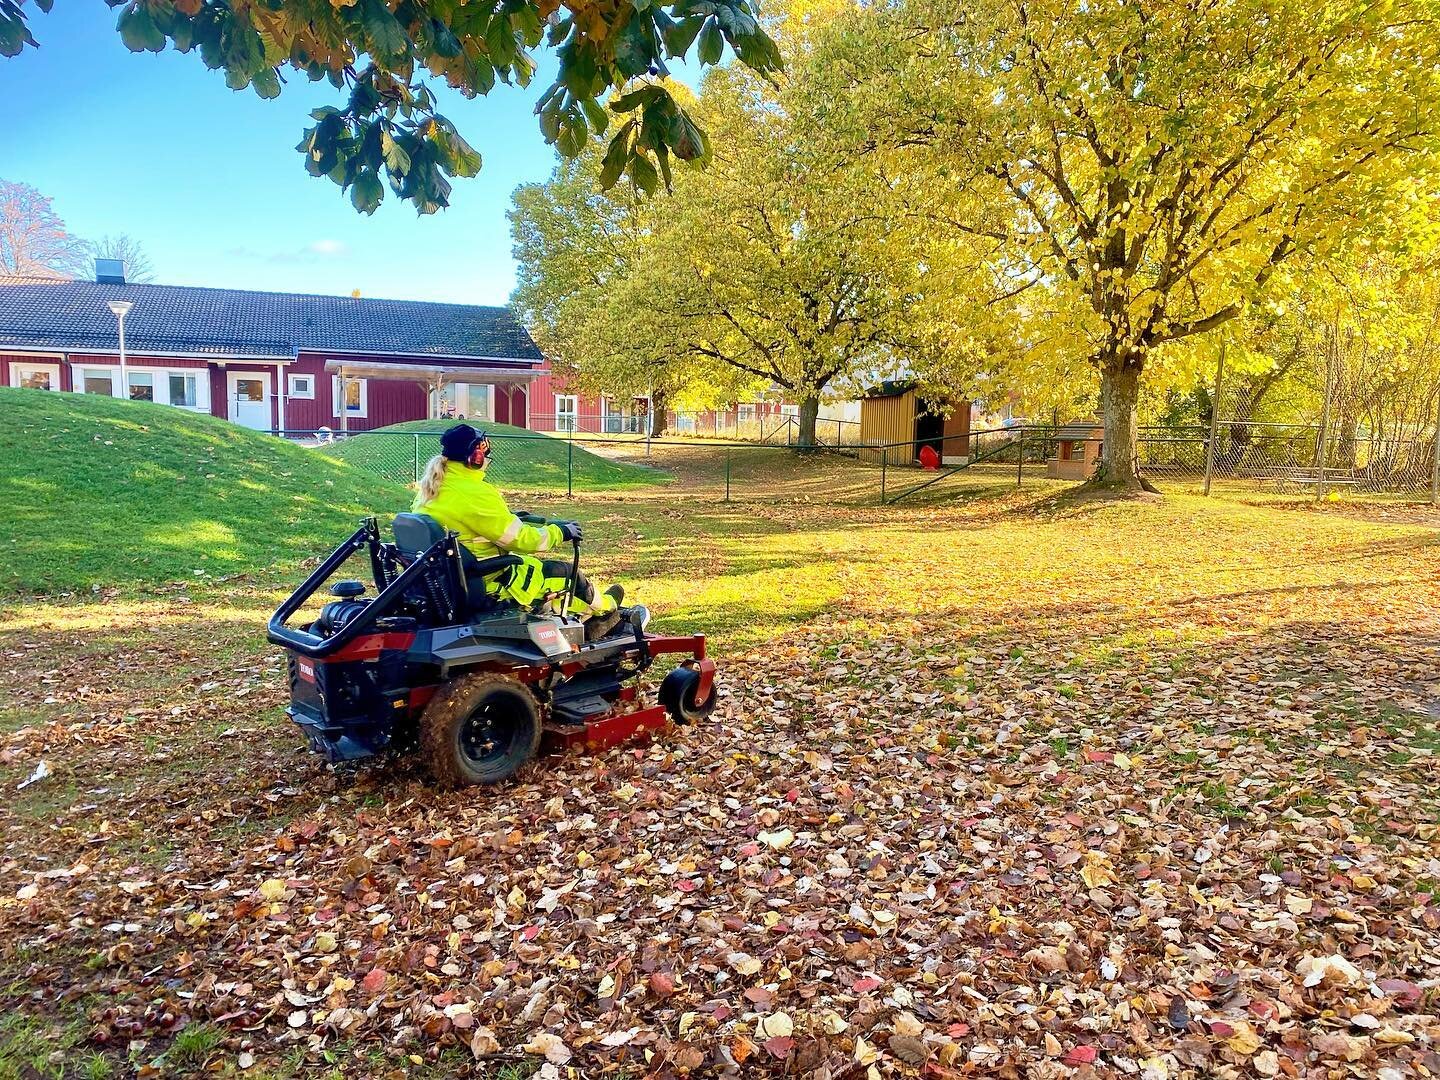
577, 464
1283, 458
734, 425
1268, 457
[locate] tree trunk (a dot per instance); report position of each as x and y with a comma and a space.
809, 410
659, 420
1120, 454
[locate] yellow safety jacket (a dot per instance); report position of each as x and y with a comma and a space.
470, 505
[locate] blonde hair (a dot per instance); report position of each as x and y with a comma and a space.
431, 480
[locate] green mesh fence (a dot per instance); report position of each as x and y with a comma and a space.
517, 463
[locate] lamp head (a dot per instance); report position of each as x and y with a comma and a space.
120, 307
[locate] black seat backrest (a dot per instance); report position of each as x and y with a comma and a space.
416, 533
439, 597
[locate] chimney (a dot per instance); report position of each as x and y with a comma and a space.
110, 271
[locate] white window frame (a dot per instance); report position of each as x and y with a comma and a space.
20, 368
573, 412
297, 395
84, 371
202, 384
159, 375
144, 373
480, 401
336, 404
744, 414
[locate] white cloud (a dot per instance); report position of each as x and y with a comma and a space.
329, 247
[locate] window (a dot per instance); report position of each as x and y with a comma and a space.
357, 398
567, 407
747, 414
183, 391
480, 402
98, 381
142, 386
302, 386
36, 376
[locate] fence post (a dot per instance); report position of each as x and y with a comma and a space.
570, 466
1214, 418
1435, 472
728, 452
1322, 437
417, 457
1020, 460
884, 462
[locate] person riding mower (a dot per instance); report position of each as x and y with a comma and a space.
455, 492
475, 658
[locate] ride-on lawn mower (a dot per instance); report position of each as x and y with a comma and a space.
476, 683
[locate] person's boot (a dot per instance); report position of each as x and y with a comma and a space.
597, 626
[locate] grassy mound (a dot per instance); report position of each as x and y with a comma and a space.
521, 460
98, 491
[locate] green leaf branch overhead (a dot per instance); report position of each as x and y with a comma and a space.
380, 52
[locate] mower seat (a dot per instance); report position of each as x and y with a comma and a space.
416, 533
460, 584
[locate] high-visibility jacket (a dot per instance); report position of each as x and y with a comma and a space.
470, 505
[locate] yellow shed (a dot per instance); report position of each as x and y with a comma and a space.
893, 413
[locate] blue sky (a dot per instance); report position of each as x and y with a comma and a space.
208, 179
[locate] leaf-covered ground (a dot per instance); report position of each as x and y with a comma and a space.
1013, 785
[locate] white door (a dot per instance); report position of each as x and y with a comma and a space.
249, 396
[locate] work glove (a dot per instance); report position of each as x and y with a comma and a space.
570, 530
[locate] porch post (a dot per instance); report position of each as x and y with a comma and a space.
344, 403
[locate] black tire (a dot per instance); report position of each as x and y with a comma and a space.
677, 694
479, 729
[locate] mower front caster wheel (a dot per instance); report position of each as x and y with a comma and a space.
678, 691
479, 729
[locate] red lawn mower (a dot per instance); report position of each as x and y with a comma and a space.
474, 682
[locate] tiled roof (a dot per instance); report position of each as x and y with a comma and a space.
232, 322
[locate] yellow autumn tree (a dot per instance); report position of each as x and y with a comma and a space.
1159, 165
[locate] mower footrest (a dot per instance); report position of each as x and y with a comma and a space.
581, 710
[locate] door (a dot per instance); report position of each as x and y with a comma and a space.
566, 410
249, 395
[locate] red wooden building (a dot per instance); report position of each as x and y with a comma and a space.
554, 406
271, 361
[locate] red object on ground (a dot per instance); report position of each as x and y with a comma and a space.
610, 730
929, 459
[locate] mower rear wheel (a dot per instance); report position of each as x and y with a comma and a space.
479, 729
677, 693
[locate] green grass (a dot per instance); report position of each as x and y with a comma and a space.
520, 460
28, 1044
102, 492
193, 1045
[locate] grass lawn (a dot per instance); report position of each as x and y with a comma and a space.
1006, 784
102, 493
522, 461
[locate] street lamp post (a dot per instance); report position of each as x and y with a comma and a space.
121, 308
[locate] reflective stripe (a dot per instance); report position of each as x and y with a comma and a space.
512, 530
544, 544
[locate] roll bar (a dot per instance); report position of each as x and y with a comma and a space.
368, 535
